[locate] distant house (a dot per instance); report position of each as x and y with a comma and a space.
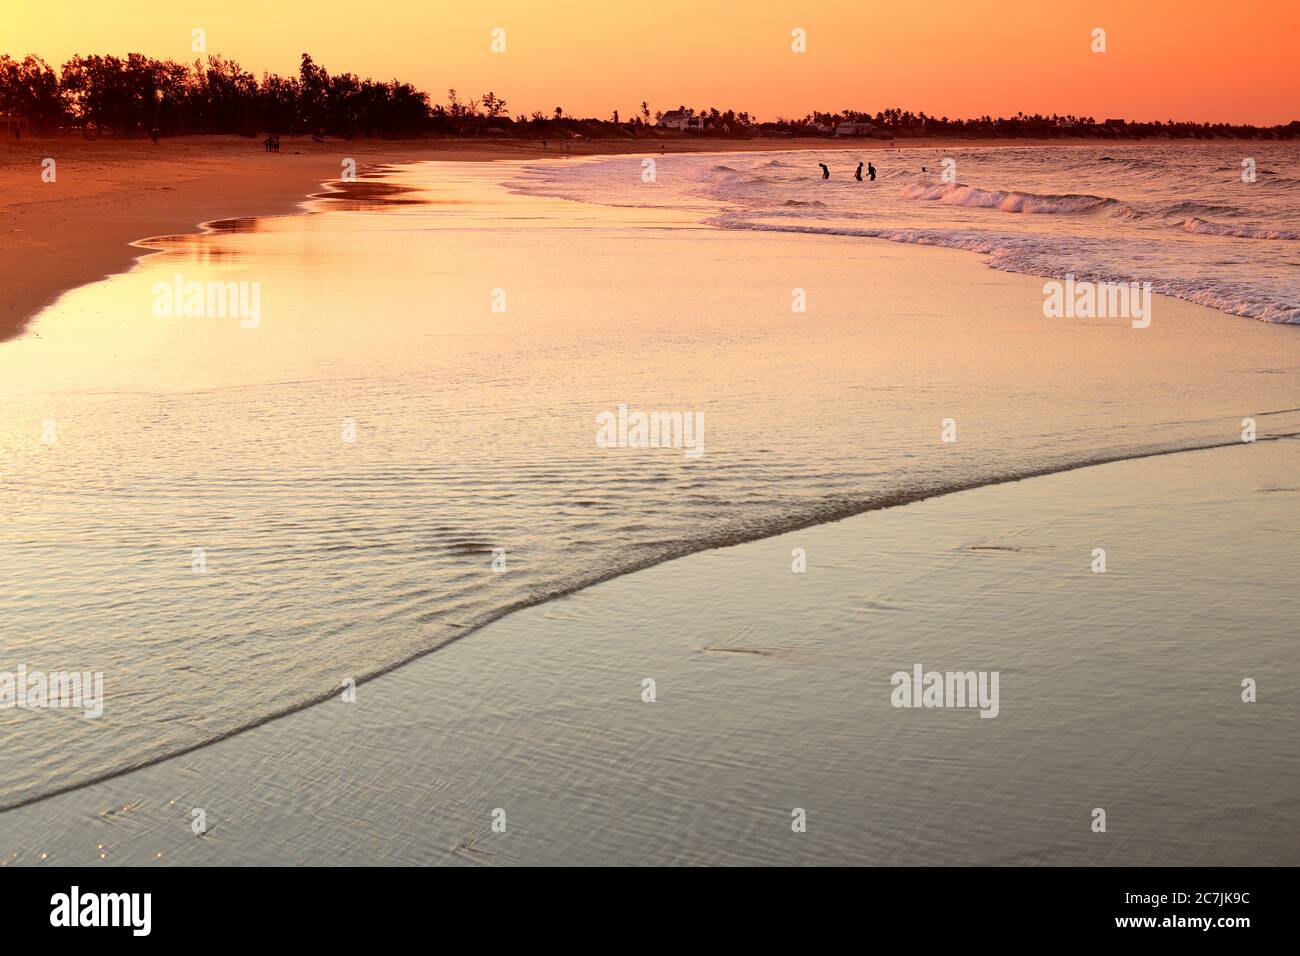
13, 127
1116, 122
854, 129
684, 120
674, 119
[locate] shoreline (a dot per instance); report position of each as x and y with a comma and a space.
835, 512
686, 552
993, 301
109, 195
449, 712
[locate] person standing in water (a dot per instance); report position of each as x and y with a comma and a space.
871, 171
826, 173
858, 173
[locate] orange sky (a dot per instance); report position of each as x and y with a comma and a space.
1190, 59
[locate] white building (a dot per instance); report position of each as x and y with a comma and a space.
684, 120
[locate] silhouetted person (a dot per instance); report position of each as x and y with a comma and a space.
857, 173
153, 135
826, 173
871, 171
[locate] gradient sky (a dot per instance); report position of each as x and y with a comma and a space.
1182, 59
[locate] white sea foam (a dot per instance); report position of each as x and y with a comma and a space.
1174, 216
959, 194
1206, 228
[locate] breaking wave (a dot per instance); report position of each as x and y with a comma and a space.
959, 194
1177, 216
1050, 258
1206, 228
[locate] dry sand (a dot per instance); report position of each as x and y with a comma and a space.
108, 194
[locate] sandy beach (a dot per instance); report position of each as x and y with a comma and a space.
329, 558
111, 193
554, 437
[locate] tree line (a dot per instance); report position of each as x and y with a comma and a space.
902, 123
136, 94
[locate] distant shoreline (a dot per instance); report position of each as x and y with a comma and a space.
109, 193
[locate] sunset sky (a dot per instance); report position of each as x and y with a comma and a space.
1190, 59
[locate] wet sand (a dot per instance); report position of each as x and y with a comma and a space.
1119, 691
330, 558
109, 193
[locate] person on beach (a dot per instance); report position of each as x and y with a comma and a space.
826, 173
871, 172
857, 173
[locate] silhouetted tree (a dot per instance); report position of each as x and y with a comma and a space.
31, 88
134, 94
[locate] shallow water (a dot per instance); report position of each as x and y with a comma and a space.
772, 691
1182, 217
349, 466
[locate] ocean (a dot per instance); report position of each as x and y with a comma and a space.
1214, 224
231, 516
